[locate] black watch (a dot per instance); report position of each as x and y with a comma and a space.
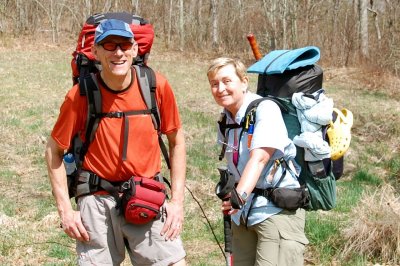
243, 196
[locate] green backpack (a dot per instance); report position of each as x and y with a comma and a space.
319, 178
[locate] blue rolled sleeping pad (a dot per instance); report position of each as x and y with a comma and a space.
278, 61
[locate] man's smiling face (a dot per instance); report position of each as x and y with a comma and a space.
118, 61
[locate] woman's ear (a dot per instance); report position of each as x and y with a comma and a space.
245, 83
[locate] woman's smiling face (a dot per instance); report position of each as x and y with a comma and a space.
228, 89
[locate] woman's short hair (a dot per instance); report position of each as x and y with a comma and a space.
220, 62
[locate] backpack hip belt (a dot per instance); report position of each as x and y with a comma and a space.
89, 183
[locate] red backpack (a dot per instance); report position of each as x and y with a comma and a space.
83, 61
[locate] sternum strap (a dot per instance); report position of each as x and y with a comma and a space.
124, 115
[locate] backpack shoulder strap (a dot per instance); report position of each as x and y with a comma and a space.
224, 129
89, 86
148, 86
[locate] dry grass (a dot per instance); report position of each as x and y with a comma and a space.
375, 227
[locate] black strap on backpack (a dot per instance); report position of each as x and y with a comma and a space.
224, 129
91, 89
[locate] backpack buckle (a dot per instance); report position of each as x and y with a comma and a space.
94, 180
82, 60
114, 114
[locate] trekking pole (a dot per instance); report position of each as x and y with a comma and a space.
254, 46
228, 239
224, 187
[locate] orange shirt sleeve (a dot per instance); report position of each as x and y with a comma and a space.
71, 119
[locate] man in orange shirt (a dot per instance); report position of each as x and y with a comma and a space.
101, 233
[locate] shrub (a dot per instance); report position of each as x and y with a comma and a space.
374, 227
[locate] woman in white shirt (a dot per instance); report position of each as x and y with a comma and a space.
263, 234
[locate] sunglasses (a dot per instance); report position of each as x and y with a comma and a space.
111, 46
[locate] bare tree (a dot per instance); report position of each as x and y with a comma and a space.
376, 20
270, 9
214, 18
335, 27
169, 23
293, 22
284, 23
135, 6
21, 18
342, 29
181, 26
54, 11
364, 27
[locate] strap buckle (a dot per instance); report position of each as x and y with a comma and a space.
94, 179
116, 114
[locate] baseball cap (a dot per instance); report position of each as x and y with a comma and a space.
112, 27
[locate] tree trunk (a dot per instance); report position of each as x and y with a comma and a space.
169, 24
376, 21
21, 19
364, 27
137, 7
334, 33
293, 16
181, 26
88, 9
241, 11
214, 18
270, 10
284, 24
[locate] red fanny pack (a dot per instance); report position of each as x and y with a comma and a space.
142, 200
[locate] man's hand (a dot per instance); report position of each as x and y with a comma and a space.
72, 225
174, 224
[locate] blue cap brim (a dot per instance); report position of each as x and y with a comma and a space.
121, 33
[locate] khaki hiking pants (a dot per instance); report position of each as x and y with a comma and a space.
279, 240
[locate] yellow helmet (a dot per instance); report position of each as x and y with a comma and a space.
339, 133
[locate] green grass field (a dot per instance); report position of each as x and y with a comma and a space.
33, 85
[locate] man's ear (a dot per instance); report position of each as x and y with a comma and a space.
94, 51
135, 49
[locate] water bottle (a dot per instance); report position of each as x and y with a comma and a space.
69, 162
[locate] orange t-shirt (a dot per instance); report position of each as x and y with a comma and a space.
104, 156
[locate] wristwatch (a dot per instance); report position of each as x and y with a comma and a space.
243, 196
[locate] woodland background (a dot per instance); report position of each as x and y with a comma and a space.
349, 32
360, 55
